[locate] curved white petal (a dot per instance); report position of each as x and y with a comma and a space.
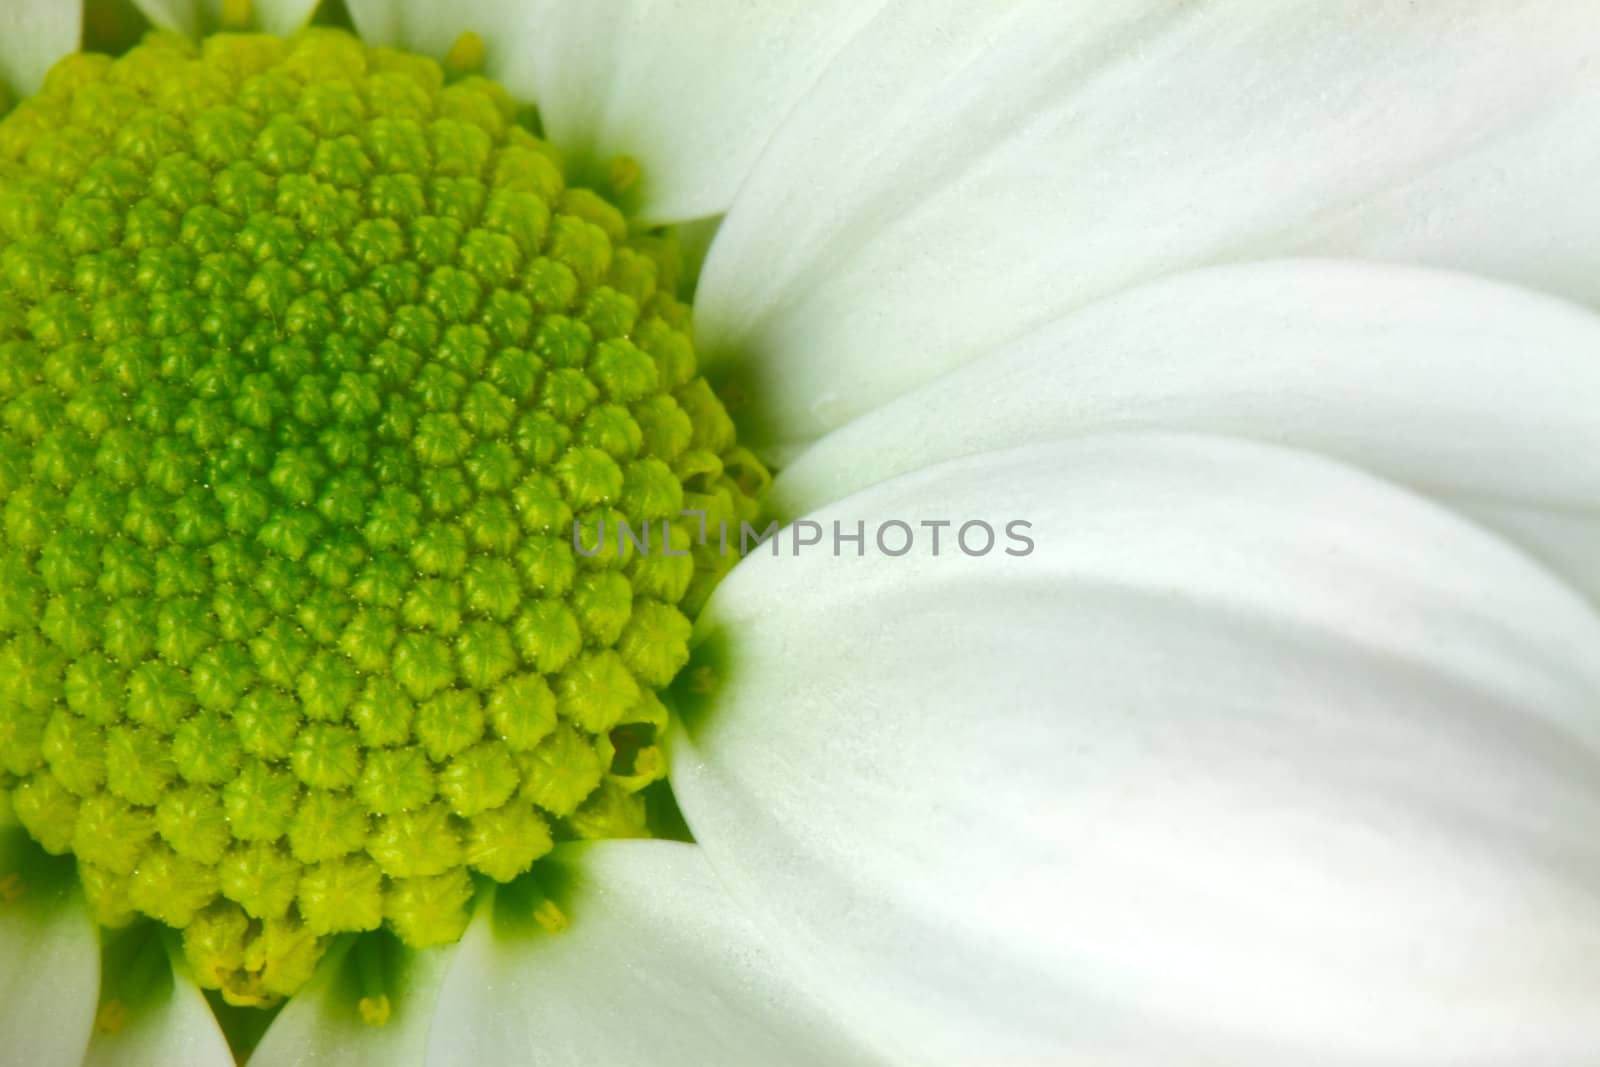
1477, 393
204, 16
174, 1027
965, 172
49, 961
431, 28
693, 90
323, 1023
282, 16
1567, 543
33, 35
657, 967
1253, 760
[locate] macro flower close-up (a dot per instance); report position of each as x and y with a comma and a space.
799, 531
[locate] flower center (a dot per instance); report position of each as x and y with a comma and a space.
310, 362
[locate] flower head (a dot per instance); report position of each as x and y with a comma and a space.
1168, 657
313, 360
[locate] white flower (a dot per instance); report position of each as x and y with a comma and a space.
1282, 745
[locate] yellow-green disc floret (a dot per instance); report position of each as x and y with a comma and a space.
310, 364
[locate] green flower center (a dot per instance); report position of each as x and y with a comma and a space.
310, 363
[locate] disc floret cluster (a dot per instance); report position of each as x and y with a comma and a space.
310, 360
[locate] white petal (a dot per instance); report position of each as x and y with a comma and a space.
323, 1023
692, 90
174, 1027
1483, 395
1254, 760
657, 967
1568, 544
281, 16
49, 963
964, 172
431, 28
195, 17
33, 35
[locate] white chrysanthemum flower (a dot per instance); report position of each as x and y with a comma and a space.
1184, 651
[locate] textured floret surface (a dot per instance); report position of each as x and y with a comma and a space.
310, 362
